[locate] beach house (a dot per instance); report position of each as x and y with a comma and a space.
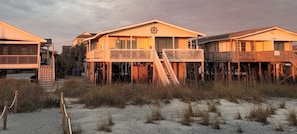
255, 54
148, 52
20, 50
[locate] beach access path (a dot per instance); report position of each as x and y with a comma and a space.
45, 121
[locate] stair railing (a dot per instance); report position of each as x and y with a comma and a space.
162, 75
170, 70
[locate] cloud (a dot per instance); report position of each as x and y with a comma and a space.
63, 20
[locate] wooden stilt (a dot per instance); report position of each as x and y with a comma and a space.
269, 71
109, 72
238, 71
202, 71
292, 67
215, 72
260, 72
195, 72
132, 75
229, 73
277, 71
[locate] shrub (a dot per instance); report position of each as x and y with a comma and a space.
278, 127
104, 96
238, 116
106, 123
186, 116
260, 114
205, 118
215, 124
30, 95
282, 105
74, 88
155, 115
238, 129
292, 118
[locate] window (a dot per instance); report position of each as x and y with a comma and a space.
253, 46
125, 44
216, 46
242, 46
279, 45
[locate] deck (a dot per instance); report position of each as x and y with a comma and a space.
145, 55
264, 56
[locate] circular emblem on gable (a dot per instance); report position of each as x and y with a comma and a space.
154, 30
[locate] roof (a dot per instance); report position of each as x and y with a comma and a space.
13, 28
240, 34
141, 24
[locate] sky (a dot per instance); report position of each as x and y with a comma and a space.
63, 20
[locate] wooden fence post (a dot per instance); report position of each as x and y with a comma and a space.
61, 102
16, 93
5, 115
63, 117
68, 128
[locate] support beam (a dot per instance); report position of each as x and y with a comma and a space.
202, 71
260, 72
238, 71
229, 73
277, 70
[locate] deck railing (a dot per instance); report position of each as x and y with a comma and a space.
145, 55
264, 56
184, 55
18, 59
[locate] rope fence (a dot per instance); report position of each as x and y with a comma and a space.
65, 115
4, 113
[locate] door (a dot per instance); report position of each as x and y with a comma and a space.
163, 43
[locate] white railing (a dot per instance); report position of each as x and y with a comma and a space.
170, 70
184, 55
162, 75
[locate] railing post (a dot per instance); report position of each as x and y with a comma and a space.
69, 116
61, 102
16, 93
63, 117
5, 115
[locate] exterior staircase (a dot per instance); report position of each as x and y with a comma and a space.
165, 71
46, 77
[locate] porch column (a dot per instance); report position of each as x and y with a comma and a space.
131, 63
173, 42
38, 59
197, 43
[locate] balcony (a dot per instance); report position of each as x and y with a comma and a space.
264, 56
145, 55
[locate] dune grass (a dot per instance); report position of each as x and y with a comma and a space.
119, 95
30, 97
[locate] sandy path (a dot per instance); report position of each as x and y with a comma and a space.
46, 121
